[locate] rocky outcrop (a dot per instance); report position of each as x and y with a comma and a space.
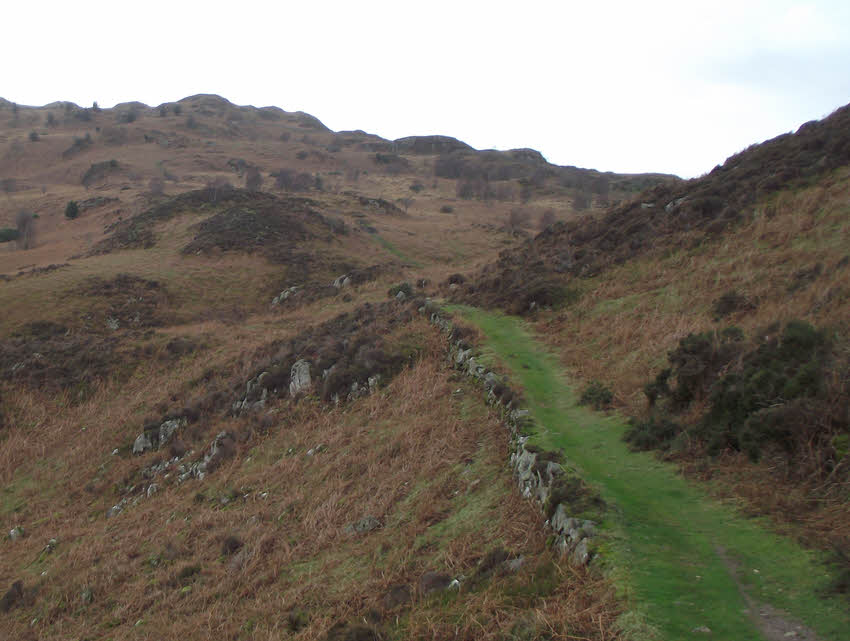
540, 475
286, 294
155, 436
299, 377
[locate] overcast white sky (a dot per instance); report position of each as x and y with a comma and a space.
655, 85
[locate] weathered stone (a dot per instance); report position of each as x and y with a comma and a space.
374, 381
490, 380
366, 524
513, 565
86, 596
462, 355
523, 466
400, 296
589, 529
581, 554
299, 377
559, 520
152, 489
285, 294
142, 443
17, 533
167, 429
115, 510
561, 546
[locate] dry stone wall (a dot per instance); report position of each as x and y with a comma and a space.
540, 475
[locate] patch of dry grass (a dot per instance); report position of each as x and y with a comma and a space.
428, 464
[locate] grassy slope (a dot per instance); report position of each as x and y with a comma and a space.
670, 530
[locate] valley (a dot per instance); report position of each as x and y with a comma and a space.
265, 380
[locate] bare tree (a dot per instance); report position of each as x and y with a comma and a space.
26, 229
253, 179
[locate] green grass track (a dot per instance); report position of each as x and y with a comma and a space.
665, 531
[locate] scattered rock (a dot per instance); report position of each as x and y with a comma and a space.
115, 510
299, 377
703, 629
342, 281
581, 554
514, 565
366, 524
17, 533
142, 443
168, 428
287, 293
86, 596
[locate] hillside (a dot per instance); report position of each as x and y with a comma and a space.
236, 401
715, 312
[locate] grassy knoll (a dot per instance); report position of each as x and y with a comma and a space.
666, 531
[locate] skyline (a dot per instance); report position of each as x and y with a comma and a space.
658, 87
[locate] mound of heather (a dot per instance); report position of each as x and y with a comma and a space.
671, 214
241, 219
270, 225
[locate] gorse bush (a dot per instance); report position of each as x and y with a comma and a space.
597, 395
72, 210
771, 394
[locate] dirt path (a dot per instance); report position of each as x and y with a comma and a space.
665, 533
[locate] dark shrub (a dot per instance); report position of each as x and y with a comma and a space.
730, 302
597, 396
447, 209
405, 288
72, 210
231, 545
656, 433
769, 396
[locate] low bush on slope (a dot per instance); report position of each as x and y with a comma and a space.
771, 396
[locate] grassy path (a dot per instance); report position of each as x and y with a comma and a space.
673, 547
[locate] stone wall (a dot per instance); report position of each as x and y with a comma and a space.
540, 475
